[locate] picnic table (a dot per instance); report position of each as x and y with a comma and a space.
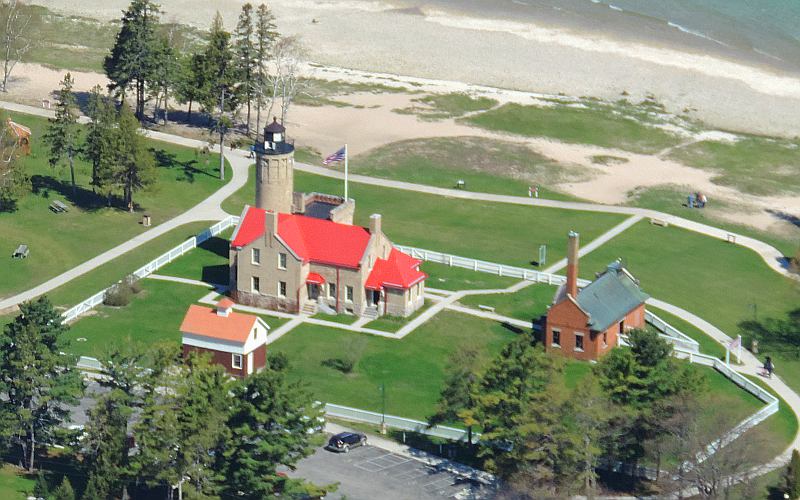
21, 252
461, 184
58, 206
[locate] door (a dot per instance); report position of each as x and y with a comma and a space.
249, 363
376, 297
313, 291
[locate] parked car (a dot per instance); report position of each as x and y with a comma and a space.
346, 440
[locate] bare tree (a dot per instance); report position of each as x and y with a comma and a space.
284, 80
11, 174
15, 45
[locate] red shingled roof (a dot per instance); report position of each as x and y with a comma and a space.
314, 240
204, 321
398, 271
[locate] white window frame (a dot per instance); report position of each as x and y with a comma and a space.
331, 290
282, 284
253, 281
282, 259
349, 293
233, 361
579, 349
255, 256
553, 343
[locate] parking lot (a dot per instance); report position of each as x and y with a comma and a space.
369, 472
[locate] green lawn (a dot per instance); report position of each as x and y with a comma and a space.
528, 304
13, 484
452, 105
208, 262
394, 323
444, 277
484, 166
720, 282
59, 242
589, 124
109, 273
411, 368
153, 316
345, 319
755, 165
497, 232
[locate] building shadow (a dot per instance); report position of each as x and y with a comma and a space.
216, 275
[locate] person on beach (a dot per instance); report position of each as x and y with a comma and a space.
530, 191
769, 366
536, 192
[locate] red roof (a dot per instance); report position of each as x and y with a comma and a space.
206, 322
315, 279
314, 240
398, 271
225, 303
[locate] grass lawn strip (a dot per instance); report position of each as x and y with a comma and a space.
209, 262
527, 304
394, 323
14, 484
59, 242
496, 232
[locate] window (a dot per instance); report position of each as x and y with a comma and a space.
579, 342
605, 338
281, 261
255, 284
236, 361
332, 290
556, 338
256, 256
282, 288
622, 327
348, 293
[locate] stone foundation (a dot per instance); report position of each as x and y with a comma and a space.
270, 302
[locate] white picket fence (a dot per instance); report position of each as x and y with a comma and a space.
679, 339
406, 424
95, 300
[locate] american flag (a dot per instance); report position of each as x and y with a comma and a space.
337, 156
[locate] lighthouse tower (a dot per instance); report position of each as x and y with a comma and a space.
274, 170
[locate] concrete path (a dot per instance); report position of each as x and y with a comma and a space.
185, 281
774, 258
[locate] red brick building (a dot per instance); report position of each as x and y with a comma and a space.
586, 324
236, 341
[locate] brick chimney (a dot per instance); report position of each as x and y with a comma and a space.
271, 222
374, 223
572, 264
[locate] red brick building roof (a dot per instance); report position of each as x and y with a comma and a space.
206, 322
398, 271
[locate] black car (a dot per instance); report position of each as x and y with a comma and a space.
346, 440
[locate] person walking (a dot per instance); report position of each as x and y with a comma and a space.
769, 366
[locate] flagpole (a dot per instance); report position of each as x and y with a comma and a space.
345, 173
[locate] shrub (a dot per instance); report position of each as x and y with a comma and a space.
342, 365
118, 295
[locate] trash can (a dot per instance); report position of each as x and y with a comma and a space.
146, 220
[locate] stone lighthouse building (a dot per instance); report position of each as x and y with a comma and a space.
274, 170
300, 252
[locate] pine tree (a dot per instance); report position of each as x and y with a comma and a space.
98, 147
64, 491
132, 60
792, 477
37, 379
457, 399
193, 81
266, 34
222, 75
270, 425
135, 167
105, 443
62, 133
245, 50
167, 70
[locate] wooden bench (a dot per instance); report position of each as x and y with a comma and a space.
461, 184
659, 222
486, 308
58, 207
21, 252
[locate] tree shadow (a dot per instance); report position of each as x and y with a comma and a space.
187, 168
81, 197
785, 216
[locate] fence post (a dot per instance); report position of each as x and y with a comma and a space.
499, 270
450, 258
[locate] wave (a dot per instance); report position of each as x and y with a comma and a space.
614, 7
699, 34
767, 54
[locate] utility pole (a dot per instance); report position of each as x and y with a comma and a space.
383, 408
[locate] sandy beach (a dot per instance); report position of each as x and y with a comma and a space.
377, 36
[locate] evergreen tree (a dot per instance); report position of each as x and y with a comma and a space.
266, 34
246, 53
135, 167
590, 414
167, 70
98, 148
792, 477
193, 83
105, 444
40, 488
38, 381
64, 491
270, 425
222, 75
62, 133
457, 400
132, 60
183, 428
